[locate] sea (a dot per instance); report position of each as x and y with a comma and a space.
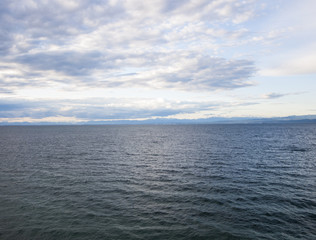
243, 181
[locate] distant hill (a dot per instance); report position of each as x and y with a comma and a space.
217, 120
213, 120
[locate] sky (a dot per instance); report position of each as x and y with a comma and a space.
92, 60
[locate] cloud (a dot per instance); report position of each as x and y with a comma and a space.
273, 95
185, 70
5, 91
69, 63
167, 45
195, 50
279, 95
99, 108
107, 109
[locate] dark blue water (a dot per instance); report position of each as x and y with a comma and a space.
158, 182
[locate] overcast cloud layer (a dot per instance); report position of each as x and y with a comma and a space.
182, 47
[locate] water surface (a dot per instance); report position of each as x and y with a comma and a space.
158, 182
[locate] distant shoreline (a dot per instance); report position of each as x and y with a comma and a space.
213, 121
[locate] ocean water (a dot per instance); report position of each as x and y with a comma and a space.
158, 182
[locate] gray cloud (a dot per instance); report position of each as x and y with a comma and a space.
119, 44
186, 71
279, 95
70, 63
273, 95
234, 11
173, 5
105, 109
5, 91
35, 24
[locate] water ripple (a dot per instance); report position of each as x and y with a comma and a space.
158, 182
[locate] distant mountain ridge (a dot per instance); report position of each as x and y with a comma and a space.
212, 120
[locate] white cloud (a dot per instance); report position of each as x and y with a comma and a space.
178, 46
96, 42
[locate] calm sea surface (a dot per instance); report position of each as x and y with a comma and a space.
158, 182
